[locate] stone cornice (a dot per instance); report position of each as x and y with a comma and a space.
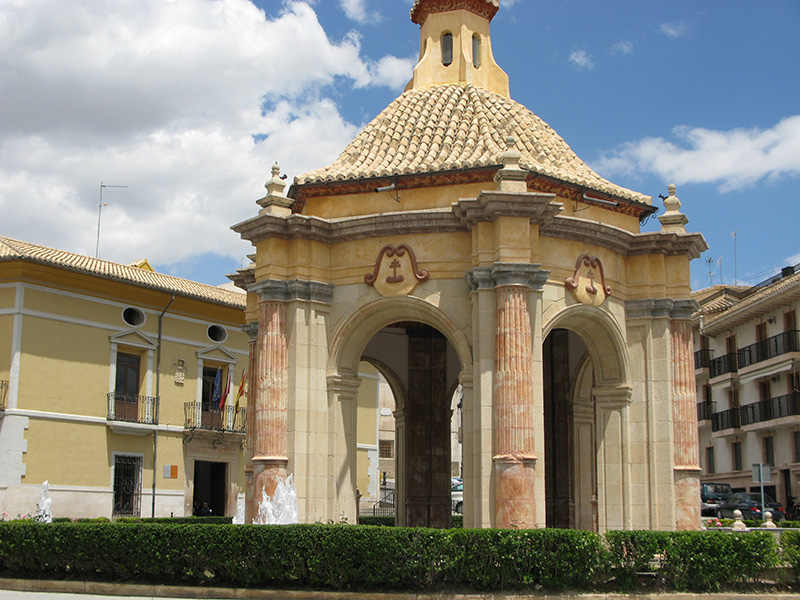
502, 274
422, 8
275, 290
539, 208
624, 242
299, 226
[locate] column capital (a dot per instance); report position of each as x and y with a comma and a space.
344, 385
251, 329
528, 275
661, 308
276, 290
613, 397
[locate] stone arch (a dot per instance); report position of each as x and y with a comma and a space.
356, 329
604, 340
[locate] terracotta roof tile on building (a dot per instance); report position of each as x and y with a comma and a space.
11, 249
422, 8
455, 126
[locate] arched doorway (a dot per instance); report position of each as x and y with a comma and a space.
413, 343
583, 358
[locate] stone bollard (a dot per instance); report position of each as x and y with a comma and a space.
768, 521
738, 524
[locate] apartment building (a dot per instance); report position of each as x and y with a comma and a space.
113, 382
747, 366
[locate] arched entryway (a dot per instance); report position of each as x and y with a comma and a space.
582, 352
425, 353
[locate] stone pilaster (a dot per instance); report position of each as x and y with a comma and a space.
684, 419
342, 393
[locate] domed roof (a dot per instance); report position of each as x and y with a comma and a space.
457, 126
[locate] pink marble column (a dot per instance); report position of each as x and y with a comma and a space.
684, 424
513, 410
250, 423
269, 433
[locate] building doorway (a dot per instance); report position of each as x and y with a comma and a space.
569, 433
210, 487
423, 369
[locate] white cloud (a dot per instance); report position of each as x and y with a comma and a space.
732, 159
168, 98
581, 59
623, 47
674, 30
393, 72
357, 11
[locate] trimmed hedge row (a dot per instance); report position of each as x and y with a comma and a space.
392, 558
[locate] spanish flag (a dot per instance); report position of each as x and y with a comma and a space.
240, 393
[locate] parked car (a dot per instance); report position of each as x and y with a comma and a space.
711, 494
457, 498
750, 505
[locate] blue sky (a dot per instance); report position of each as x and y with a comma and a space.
189, 103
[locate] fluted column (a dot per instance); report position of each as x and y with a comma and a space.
514, 457
252, 331
684, 419
514, 389
269, 434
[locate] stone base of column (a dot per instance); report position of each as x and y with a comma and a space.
687, 498
515, 478
248, 494
267, 470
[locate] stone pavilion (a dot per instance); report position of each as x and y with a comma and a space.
459, 240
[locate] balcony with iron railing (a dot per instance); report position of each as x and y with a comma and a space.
728, 363
726, 419
3, 394
227, 419
134, 410
705, 410
774, 408
777, 345
702, 359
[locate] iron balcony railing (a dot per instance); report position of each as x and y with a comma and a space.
132, 409
726, 419
774, 408
728, 363
702, 358
783, 343
3, 394
227, 419
705, 410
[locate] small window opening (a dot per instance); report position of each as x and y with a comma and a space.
133, 316
217, 333
447, 49
476, 51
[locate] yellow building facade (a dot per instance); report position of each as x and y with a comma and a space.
108, 374
459, 241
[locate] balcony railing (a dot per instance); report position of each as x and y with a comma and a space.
728, 363
726, 419
227, 419
132, 409
774, 408
705, 410
783, 343
702, 358
3, 394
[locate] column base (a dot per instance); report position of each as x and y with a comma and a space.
687, 499
515, 477
267, 470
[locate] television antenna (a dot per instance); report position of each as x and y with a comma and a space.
100, 212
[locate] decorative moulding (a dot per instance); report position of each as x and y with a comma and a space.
584, 285
396, 272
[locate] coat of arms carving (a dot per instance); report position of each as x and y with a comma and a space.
588, 283
396, 272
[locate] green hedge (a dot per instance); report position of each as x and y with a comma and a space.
393, 558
